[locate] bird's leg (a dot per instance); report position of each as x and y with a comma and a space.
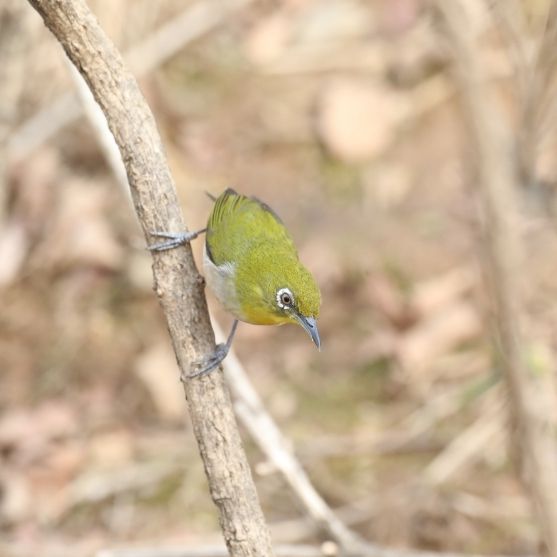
217, 357
174, 239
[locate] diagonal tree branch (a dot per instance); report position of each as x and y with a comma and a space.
247, 404
264, 431
177, 282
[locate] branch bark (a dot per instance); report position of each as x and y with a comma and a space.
533, 421
177, 281
263, 430
247, 404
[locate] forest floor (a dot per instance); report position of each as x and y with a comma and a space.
344, 118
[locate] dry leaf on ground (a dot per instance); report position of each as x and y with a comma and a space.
359, 119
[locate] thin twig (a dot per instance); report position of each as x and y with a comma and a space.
267, 435
177, 281
15, 37
534, 70
208, 551
326, 549
248, 405
468, 446
99, 124
143, 58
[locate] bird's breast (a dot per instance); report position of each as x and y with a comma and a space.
221, 280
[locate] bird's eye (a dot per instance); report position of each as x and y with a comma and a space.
285, 299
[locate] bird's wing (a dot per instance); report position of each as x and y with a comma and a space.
238, 222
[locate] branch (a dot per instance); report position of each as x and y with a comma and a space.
208, 551
142, 58
267, 435
498, 187
177, 282
15, 37
98, 122
325, 550
471, 444
248, 406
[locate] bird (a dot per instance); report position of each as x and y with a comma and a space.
252, 266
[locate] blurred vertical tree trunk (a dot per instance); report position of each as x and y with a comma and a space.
531, 393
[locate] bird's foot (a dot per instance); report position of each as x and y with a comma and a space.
211, 363
173, 239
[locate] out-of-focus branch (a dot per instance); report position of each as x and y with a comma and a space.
466, 448
267, 435
326, 549
248, 405
532, 47
14, 38
177, 282
143, 58
498, 187
209, 551
100, 126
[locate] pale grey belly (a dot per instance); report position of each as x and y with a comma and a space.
220, 279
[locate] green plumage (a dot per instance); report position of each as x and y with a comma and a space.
255, 258
238, 223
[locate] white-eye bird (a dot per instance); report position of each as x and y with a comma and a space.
252, 266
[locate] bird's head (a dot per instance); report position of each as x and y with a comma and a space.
285, 292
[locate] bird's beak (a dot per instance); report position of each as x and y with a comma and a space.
310, 325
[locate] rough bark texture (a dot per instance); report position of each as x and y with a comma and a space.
177, 282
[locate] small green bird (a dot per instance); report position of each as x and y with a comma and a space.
252, 266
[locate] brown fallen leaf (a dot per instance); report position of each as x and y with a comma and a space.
431, 295
390, 301
80, 233
27, 433
436, 336
303, 28
36, 179
111, 449
269, 39
358, 119
397, 16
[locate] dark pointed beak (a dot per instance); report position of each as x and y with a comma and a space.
310, 325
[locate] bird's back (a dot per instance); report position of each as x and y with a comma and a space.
238, 223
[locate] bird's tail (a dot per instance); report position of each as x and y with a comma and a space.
229, 191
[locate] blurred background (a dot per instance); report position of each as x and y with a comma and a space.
344, 116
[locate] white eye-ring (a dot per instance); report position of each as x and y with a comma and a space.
285, 298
